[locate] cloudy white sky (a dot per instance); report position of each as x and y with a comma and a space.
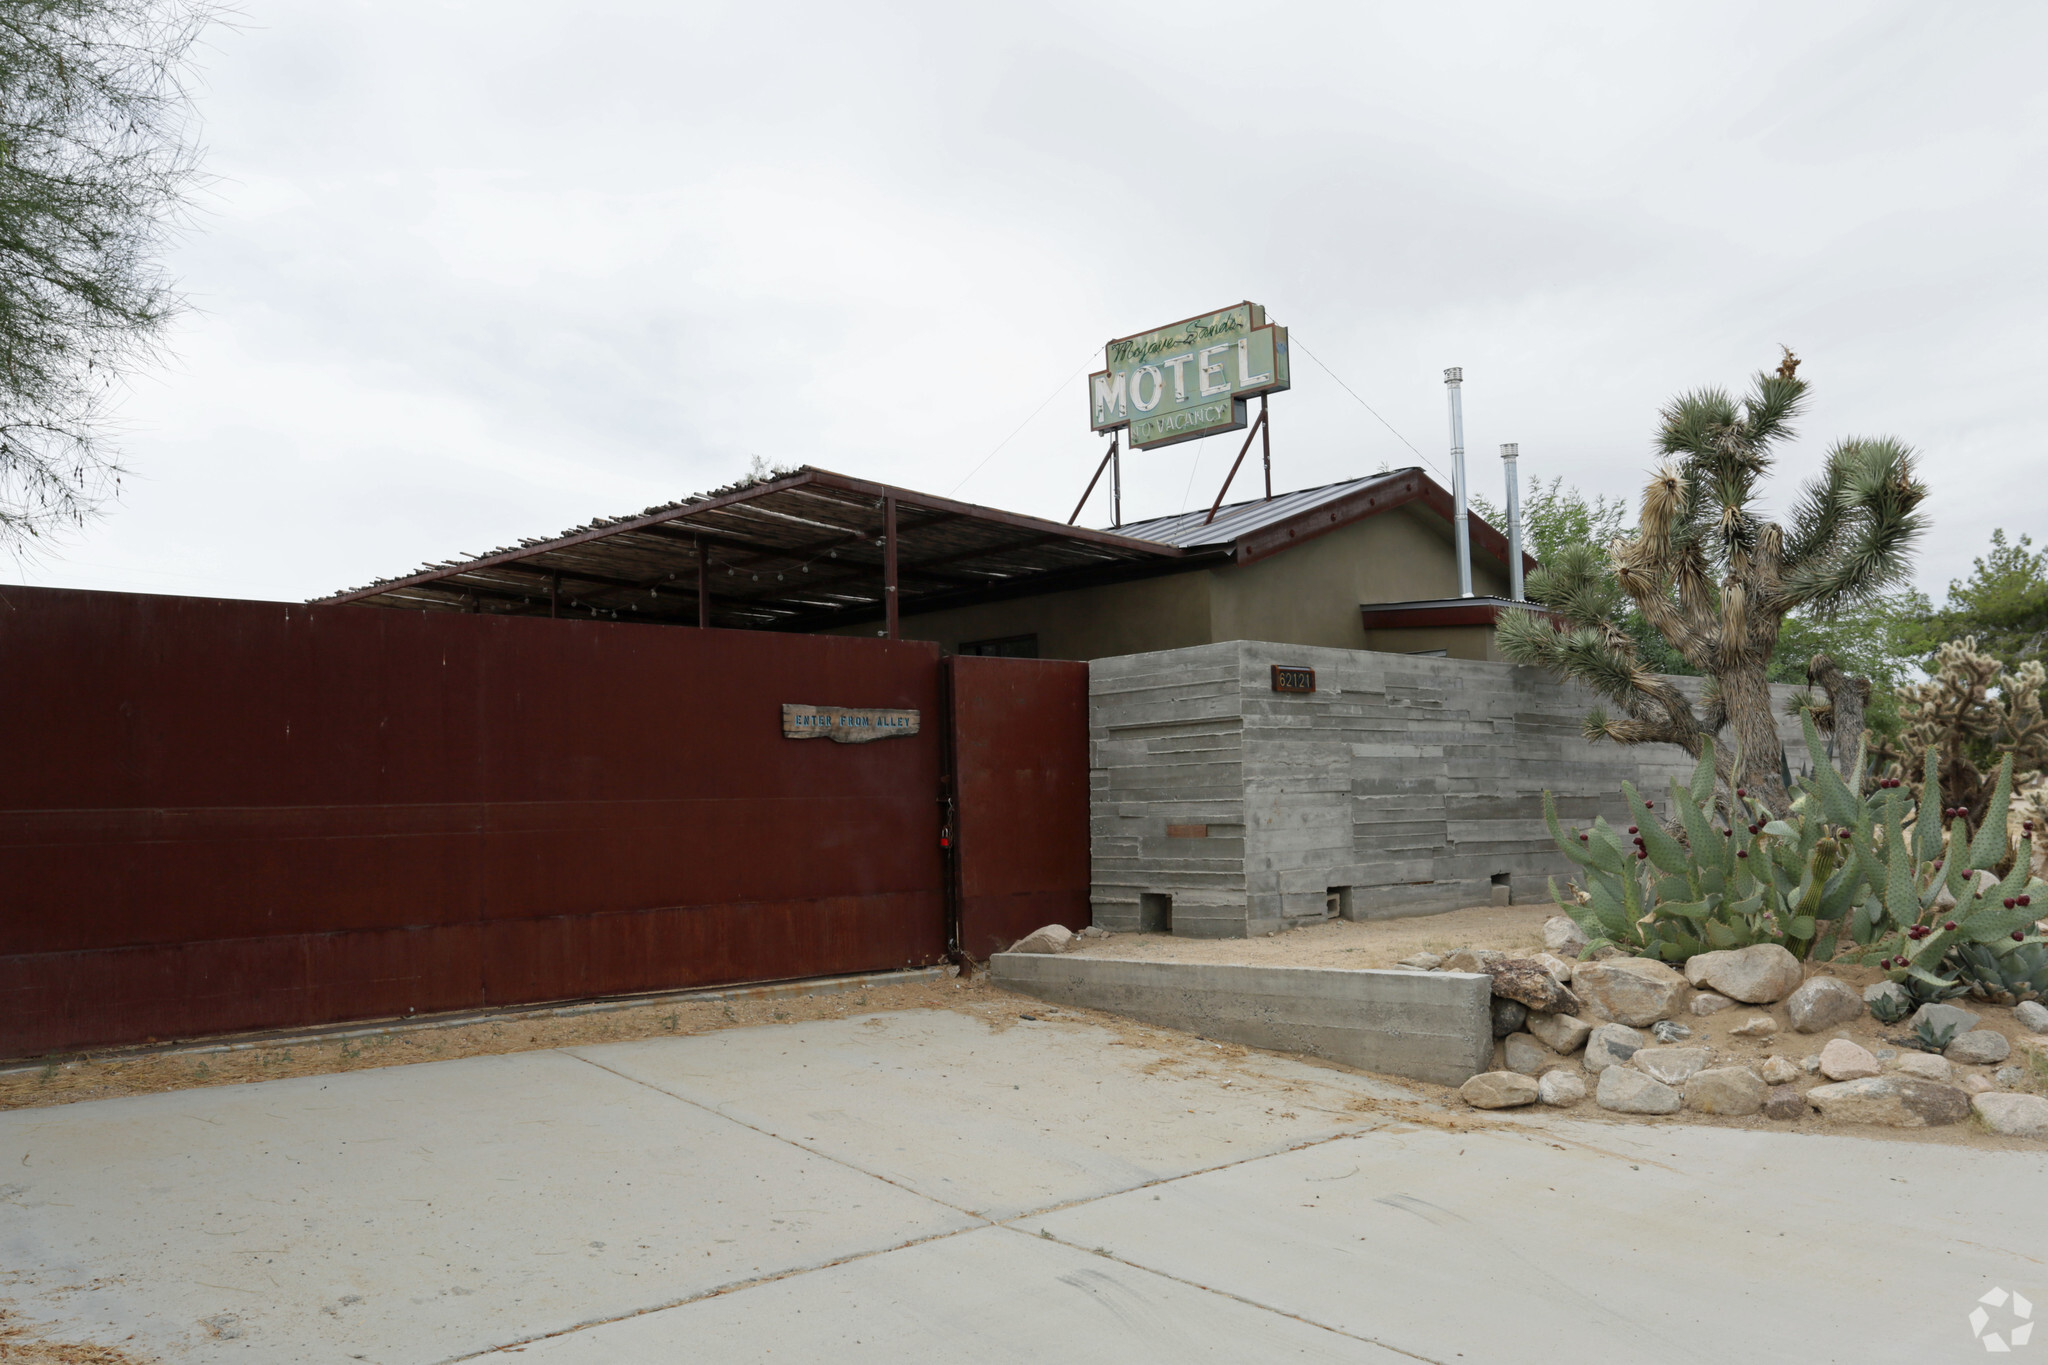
474, 272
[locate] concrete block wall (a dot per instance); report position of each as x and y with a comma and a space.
1404, 785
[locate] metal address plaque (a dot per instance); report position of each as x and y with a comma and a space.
1288, 678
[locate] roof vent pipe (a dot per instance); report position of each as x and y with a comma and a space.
1508, 451
1461, 525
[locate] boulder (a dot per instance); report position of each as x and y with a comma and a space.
2031, 1016
1560, 1089
1977, 1085
1733, 1090
1527, 982
1471, 960
1927, 1067
1810, 1065
1053, 938
1785, 1102
1822, 1003
1756, 1026
1555, 965
1612, 1045
1508, 1016
1842, 1060
1939, 1017
1894, 1101
1979, 1047
1664, 1031
1563, 936
1564, 1033
1629, 990
1887, 990
2008, 1077
1092, 932
1628, 1091
1762, 974
1421, 962
1778, 1071
1528, 1055
1671, 1065
1706, 1002
2023, 1116
1498, 1090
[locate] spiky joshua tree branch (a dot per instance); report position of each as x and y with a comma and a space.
1716, 580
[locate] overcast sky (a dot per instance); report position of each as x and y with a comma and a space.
476, 272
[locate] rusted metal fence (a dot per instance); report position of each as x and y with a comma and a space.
222, 815
1019, 752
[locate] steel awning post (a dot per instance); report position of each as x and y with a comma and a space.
889, 564
703, 583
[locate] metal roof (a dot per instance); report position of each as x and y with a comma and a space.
1191, 529
804, 552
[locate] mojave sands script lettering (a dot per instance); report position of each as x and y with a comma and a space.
1180, 380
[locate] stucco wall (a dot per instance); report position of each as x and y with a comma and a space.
1308, 595
1411, 783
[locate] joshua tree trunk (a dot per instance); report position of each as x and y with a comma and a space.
1847, 698
1760, 755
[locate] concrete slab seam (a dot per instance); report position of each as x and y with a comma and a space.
720, 1291
791, 1142
1107, 1254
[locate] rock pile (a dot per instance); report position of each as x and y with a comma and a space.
1611, 1026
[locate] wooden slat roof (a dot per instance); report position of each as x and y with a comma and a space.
802, 552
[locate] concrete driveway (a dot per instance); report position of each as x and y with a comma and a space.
922, 1187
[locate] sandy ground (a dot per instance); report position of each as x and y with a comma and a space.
139, 1071
1514, 929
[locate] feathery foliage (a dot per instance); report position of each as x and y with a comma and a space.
96, 160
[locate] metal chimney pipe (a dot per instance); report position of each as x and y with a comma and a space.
1461, 525
1508, 451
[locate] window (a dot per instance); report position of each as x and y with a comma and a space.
1009, 647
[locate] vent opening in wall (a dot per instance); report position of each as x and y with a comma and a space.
1155, 912
1503, 889
1337, 903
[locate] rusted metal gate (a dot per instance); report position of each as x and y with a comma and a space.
220, 815
1019, 743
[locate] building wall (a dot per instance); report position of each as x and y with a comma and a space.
1308, 595
1410, 783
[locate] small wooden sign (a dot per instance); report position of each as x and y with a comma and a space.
845, 724
1288, 678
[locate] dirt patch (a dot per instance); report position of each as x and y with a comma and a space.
19, 1346
1346, 943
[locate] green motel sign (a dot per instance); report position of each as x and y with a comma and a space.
1190, 379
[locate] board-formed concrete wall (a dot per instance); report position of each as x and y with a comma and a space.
1406, 784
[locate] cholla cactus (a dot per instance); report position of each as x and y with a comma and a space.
1971, 712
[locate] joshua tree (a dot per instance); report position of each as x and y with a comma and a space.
1716, 580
